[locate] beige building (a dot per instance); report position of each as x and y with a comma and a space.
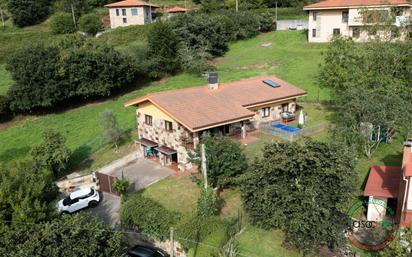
172, 123
348, 18
131, 12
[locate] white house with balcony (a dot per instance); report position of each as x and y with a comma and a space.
131, 12
357, 19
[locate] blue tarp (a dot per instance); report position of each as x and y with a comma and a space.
286, 128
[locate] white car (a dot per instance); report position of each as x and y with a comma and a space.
78, 200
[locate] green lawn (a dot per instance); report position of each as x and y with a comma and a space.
245, 59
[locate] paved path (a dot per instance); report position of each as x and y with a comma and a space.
141, 174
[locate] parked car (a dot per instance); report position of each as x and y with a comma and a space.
146, 251
80, 199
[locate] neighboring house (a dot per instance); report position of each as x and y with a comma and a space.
348, 18
390, 188
131, 12
172, 123
175, 11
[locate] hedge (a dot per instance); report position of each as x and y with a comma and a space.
148, 216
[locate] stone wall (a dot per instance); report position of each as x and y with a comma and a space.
275, 111
174, 139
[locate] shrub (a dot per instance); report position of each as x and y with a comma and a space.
122, 185
90, 23
148, 215
163, 49
5, 112
267, 22
207, 203
225, 160
195, 61
28, 12
62, 23
52, 152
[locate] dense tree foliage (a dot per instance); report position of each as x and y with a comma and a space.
90, 23
52, 152
163, 50
69, 235
79, 7
62, 23
371, 87
301, 189
28, 12
47, 75
207, 32
27, 193
225, 160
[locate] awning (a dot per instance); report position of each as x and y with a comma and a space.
383, 181
166, 150
147, 142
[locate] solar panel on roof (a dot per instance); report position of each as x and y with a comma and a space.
271, 83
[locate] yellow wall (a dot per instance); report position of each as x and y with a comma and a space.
150, 109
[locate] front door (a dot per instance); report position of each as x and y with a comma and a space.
285, 107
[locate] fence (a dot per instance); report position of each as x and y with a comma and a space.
292, 136
297, 24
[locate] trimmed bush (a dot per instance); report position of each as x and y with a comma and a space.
207, 203
62, 23
28, 12
149, 216
5, 112
90, 23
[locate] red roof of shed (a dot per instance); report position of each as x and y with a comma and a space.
383, 181
177, 9
407, 161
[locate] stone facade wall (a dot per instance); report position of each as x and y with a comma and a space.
173, 139
275, 111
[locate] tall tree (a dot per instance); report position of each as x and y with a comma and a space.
112, 134
301, 189
28, 12
163, 50
52, 152
27, 193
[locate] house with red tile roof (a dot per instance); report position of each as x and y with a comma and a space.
347, 18
172, 123
390, 188
131, 12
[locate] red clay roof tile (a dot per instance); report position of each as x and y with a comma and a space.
131, 3
348, 3
383, 181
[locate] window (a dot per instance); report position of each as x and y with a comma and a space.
168, 125
265, 112
336, 32
313, 32
148, 119
315, 16
124, 20
124, 12
117, 12
285, 107
356, 32
134, 11
345, 16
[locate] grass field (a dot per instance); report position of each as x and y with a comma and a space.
245, 59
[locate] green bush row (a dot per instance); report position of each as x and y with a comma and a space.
148, 216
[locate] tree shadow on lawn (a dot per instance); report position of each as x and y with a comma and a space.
80, 158
14, 153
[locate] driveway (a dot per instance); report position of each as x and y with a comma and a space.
141, 174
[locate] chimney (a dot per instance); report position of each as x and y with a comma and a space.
213, 80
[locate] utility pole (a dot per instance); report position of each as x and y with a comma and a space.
172, 242
237, 5
73, 16
203, 160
